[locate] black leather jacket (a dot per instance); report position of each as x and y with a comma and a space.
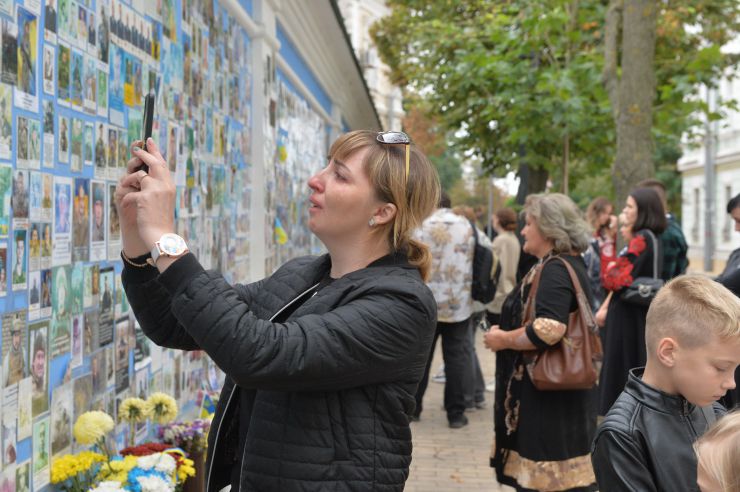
645, 441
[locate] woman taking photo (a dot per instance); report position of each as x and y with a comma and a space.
624, 328
322, 357
602, 247
542, 438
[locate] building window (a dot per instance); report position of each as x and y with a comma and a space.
727, 228
697, 215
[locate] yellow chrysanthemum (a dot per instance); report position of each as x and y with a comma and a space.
132, 410
68, 466
117, 470
185, 470
161, 408
92, 426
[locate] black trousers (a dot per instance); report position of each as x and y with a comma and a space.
457, 355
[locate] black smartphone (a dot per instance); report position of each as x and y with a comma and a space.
148, 121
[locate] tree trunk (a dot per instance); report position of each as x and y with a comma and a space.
636, 92
531, 180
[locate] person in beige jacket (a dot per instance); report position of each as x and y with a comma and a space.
506, 248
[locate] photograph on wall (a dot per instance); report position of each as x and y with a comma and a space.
110, 367
23, 477
98, 371
38, 352
50, 58
48, 134
63, 140
9, 73
61, 310
101, 151
87, 144
34, 144
87, 297
26, 95
45, 261
3, 268
35, 197
6, 128
62, 237
81, 26
105, 313
63, 19
81, 222
90, 332
46, 288
61, 419
112, 153
115, 85
123, 155
50, 21
122, 355
97, 230
9, 443
78, 277
25, 386
114, 226
77, 73
75, 164
103, 36
64, 58
102, 97
40, 458
90, 90
34, 247
82, 394
6, 191
22, 151
78, 340
20, 198
34, 292
15, 355
20, 265
91, 31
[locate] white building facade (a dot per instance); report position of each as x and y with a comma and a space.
358, 16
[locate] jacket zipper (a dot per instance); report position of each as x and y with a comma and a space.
233, 390
687, 416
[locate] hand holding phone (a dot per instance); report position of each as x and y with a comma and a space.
148, 122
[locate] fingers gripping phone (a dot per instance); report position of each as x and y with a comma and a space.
148, 122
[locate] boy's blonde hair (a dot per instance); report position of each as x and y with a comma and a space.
718, 452
690, 309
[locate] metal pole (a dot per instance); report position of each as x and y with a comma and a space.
710, 187
489, 222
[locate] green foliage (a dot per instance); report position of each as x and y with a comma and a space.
449, 169
512, 79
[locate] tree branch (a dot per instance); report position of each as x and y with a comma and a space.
609, 75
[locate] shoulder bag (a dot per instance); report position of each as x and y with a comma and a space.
642, 290
575, 361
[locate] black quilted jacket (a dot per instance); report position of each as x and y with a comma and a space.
327, 392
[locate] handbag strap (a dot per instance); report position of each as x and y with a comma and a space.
656, 252
583, 306
529, 306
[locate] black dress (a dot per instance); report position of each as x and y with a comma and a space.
624, 332
542, 438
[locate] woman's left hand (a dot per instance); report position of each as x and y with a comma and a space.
495, 339
155, 203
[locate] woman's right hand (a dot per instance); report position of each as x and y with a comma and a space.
132, 243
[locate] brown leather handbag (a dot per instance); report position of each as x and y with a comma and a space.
575, 361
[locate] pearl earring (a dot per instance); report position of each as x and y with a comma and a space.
371, 222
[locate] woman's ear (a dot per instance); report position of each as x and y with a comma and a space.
385, 213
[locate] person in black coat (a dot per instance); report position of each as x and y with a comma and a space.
322, 357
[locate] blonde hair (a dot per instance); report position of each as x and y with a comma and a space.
718, 452
690, 307
560, 221
415, 196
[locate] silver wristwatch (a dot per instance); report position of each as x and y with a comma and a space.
170, 245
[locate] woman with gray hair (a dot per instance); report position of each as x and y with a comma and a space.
542, 438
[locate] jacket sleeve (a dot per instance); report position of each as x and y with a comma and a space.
619, 464
152, 306
375, 337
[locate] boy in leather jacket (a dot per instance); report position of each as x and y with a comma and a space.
693, 344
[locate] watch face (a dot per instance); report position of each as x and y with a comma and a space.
172, 244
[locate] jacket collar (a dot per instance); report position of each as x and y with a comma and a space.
654, 398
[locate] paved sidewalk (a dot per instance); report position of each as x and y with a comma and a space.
447, 459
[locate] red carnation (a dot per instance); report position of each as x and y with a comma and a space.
145, 449
618, 274
637, 245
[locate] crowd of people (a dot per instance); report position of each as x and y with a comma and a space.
328, 359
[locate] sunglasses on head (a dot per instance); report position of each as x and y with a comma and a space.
397, 138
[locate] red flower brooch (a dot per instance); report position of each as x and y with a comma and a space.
637, 245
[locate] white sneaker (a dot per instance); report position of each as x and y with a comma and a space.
440, 376
491, 387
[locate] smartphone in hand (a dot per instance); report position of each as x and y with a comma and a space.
148, 122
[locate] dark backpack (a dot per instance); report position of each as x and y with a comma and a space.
486, 271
